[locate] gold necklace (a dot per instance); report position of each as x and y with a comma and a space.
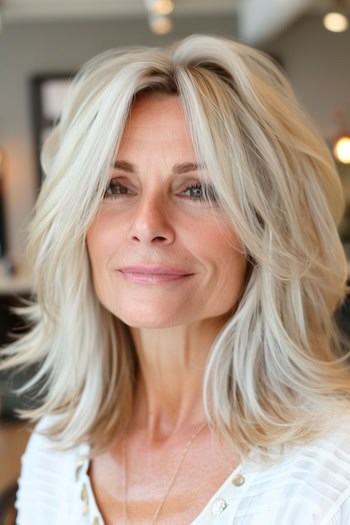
170, 484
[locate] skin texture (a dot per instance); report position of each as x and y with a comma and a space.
158, 219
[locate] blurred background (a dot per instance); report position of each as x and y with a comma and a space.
44, 42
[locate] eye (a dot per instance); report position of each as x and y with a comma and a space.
201, 192
115, 188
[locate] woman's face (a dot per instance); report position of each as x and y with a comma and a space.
160, 254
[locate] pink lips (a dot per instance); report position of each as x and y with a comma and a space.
153, 274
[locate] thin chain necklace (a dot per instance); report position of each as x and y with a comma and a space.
158, 510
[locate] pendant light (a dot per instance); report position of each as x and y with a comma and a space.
158, 15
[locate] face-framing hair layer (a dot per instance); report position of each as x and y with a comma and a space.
275, 373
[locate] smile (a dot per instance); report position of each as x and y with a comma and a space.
153, 275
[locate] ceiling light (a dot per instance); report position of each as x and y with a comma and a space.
160, 24
341, 149
335, 22
160, 7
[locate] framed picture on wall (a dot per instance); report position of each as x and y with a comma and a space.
48, 92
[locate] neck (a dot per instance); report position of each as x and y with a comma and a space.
169, 392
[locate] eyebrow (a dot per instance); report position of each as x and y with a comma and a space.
177, 169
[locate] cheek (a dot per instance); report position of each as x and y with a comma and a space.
100, 240
221, 249
100, 245
220, 244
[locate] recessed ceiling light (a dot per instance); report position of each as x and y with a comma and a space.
335, 22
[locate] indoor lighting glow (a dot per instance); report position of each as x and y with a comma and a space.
335, 22
341, 149
160, 7
160, 24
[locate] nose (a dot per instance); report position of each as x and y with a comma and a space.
152, 223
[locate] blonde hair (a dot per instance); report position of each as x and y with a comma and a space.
275, 374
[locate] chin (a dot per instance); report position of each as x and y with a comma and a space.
151, 319
153, 323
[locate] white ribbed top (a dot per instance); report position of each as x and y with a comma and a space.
311, 486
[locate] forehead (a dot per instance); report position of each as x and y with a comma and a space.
156, 117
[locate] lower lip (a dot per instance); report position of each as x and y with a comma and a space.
143, 278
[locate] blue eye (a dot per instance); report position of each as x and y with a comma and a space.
116, 188
201, 192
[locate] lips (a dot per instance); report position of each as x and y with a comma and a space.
153, 274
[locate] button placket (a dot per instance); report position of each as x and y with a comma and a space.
78, 469
85, 500
227, 498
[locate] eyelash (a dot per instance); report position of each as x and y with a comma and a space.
208, 192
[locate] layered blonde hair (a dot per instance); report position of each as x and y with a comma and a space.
276, 374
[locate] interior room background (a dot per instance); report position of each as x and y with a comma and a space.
36, 44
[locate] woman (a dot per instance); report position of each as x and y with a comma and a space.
187, 267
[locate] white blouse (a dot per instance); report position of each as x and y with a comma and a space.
310, 486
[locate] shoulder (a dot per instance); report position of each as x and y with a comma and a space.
325, 466
312, 484
46, 482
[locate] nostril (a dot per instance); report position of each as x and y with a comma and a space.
158, 238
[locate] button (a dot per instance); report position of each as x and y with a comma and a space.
78, 470
85, 499
238, 480
218, 506
96, 521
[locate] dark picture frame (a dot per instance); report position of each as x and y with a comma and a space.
47, 93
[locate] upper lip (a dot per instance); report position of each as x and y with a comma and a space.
154, 269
